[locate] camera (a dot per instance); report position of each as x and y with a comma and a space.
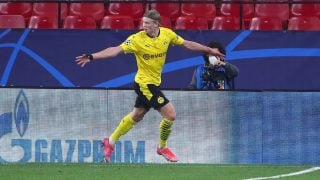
208, 74
212, 77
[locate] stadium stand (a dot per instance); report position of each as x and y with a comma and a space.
117, 22
171, 10
94, 10
305, 9
191, 23
79, 22
135, 10
226, 23
43, 22
12, 21
11, 8
266, 23
225, 10
273, 10
49, 10
302, 23
234, 9
207, 11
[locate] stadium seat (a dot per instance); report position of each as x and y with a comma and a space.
191, 23
24, 9
272, 10
41, 22
304, 23
135, 10
200, 10
94, 10
79, 22
233, 9
266, 23
117, 22
12, 21
171, 10
305, 9
49, 10
225, 23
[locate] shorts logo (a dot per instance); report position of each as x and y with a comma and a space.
160, 100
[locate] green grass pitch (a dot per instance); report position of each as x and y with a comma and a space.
170, 171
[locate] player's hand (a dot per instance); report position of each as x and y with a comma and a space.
83, 59
216, 52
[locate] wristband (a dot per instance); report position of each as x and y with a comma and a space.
89, 56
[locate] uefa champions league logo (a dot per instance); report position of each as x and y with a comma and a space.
20, 115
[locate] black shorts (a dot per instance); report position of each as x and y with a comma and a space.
149, 95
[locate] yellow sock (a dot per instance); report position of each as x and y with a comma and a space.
124, 126
165, 130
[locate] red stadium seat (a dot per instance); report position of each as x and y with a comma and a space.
304, 23
191, 23
135, 10
272, 10
49, 10
225, 23
94, 10
79, 22
41, 22
305, 9
117, 22
233, 9
12, 21
166, 22
266, 23
202, 10
24, 9
171, 10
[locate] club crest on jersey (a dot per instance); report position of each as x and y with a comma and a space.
160, 100
127, 42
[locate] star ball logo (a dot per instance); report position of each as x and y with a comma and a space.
20, 115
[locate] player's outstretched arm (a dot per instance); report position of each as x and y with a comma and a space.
191, 45
106, 53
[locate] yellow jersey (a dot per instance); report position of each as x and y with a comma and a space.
150, 53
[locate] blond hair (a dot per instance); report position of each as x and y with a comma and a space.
153, 14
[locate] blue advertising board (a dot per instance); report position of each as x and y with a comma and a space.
277, 60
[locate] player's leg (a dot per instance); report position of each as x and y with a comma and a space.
165, 108
125, 125
141, 107
169, 114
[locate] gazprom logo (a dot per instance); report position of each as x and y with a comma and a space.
14, 148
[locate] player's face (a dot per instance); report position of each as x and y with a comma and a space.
150, 26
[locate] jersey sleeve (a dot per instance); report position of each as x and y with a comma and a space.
129, 45
175, 38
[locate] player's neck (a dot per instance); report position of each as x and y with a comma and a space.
154, 33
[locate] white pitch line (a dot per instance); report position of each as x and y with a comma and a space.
286, 175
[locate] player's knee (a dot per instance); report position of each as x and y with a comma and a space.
171, 116
138, 116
